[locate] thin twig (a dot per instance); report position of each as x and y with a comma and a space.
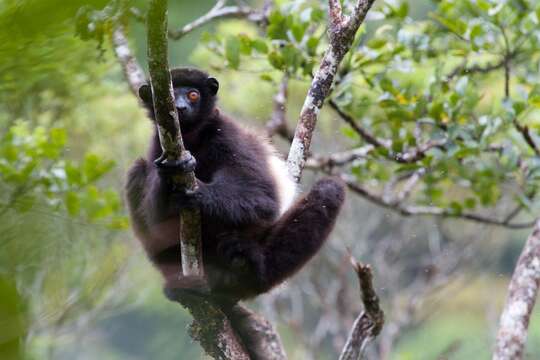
409, 186
410, 210
526, 134
219, 12
364, 134
338, 159
409, 156
278, 120
463, 69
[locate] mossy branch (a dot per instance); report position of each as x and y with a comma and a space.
169, 133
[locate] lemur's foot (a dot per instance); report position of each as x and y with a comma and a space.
195, 289
186, 288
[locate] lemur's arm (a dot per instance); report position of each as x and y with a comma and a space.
239, 193
239, 197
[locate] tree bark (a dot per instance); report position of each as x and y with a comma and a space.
370, 322
211, 326
169, 133
522, 293
341, 32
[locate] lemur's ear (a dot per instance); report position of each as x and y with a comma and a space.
213, 85
145, 93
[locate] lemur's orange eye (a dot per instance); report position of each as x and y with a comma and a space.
193, 95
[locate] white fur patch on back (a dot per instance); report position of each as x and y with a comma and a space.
285, 185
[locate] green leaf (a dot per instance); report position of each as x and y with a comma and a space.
291, 56
298, 31
245, 44
260, 46
317, 15
350, 133
469, 203
277, 26
312, 44
403, 10
386, 85
266, 77
73, 203
25, 203
276, 60
232, 51
534, 96
376, 43
58, 136
519, 107
455, 25
95, 167
455, 208
74, 175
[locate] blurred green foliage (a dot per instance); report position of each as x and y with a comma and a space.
412, 82
32, 168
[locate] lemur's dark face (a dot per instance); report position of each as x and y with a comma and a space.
194, 99
187, 100
194, 96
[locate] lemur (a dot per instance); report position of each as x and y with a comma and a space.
254, 233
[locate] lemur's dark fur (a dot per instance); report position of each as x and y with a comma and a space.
248, 248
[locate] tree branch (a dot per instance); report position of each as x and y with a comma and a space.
363, 133
370, 322
341, 33
219, 11
278, 121
131, 69
338, 159
526, 134
409, 156
474, 69
211, 327
409, 210
169, 133
521, 299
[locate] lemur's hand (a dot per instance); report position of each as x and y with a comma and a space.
184, 198
169, 168
180, 196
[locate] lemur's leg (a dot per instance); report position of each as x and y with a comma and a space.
287, 246
135, 194
301, 231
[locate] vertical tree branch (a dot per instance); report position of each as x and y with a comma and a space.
520, 302
169, 133
341, 33
211, 327
278, 121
